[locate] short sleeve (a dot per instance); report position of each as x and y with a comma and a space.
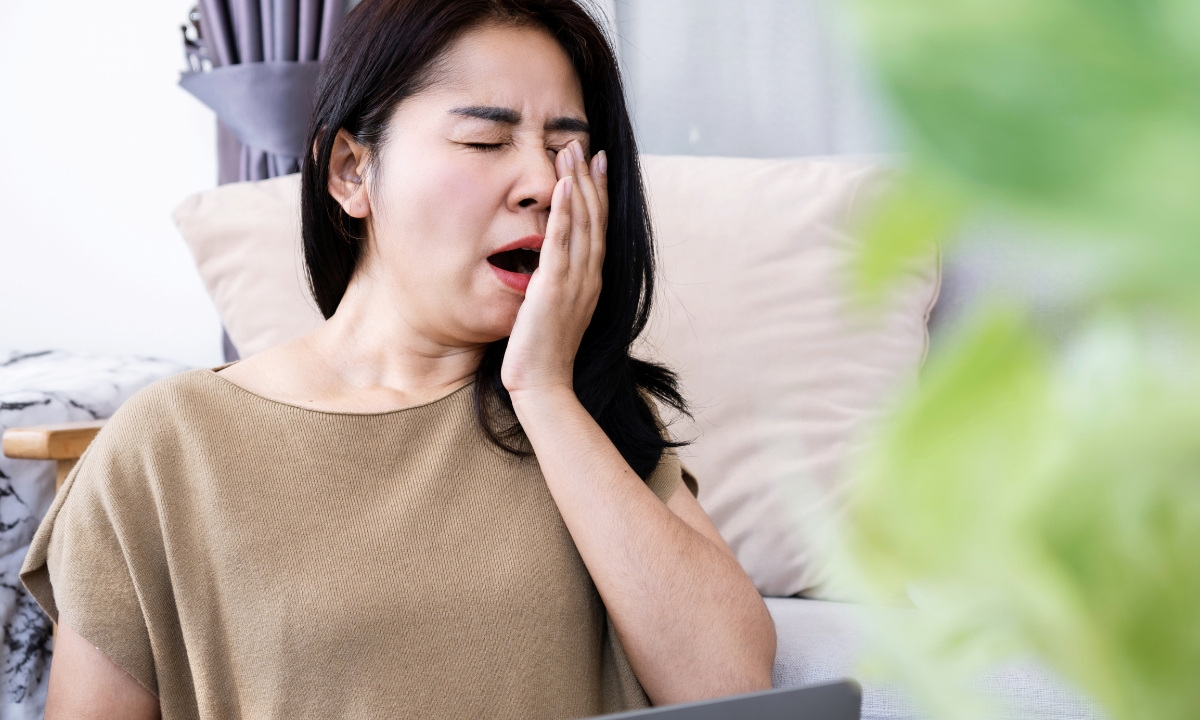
668, 475
670, 471
78, 568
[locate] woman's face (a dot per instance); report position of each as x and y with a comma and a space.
466, 172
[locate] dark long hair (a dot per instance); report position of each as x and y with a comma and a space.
384, 52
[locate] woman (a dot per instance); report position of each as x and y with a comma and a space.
453, 499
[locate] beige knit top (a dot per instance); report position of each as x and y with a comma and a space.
242, 557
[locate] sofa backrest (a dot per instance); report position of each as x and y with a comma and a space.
753, 309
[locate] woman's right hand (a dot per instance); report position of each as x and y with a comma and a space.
565, 288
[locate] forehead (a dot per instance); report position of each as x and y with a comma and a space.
515, 66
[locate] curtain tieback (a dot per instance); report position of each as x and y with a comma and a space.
265, 104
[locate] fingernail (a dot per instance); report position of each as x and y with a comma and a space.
570, 159
578, 148
602, 162
567, 189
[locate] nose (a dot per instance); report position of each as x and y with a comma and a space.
535, 182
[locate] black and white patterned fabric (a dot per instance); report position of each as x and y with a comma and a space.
40, 388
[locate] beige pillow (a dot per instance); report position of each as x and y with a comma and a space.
751, 309
245, 238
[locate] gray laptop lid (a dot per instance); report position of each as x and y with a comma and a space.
830, 701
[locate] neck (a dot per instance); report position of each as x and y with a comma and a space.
373, 347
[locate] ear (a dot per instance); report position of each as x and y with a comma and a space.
347, 171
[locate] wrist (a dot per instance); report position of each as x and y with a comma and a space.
538, 397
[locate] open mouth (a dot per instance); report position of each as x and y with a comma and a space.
521, 261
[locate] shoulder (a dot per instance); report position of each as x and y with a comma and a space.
159, 418
179, 398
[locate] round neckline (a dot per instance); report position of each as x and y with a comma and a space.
213, 372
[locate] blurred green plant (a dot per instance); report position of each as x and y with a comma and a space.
1034, 496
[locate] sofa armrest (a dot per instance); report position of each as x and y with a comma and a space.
63, 442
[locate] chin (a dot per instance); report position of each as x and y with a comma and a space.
489, 309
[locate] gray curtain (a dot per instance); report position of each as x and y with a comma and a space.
255, 64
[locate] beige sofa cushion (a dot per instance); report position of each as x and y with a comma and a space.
752, 309
755, 312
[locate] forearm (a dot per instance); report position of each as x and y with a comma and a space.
688, 618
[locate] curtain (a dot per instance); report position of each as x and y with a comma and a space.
255, 64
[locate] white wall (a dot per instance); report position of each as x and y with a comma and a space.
754, 78
98, 145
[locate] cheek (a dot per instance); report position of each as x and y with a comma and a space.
464, 187
438, 213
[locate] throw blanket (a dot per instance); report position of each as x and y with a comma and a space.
38, 389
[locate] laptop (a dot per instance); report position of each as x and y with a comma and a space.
827, 701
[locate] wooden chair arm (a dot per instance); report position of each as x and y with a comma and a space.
63, 442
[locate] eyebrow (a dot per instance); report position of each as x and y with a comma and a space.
508, 116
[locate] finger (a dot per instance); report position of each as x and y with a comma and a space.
599, 174
581, 217
596, 218
600, 180
555, 257
562, 167
587, 186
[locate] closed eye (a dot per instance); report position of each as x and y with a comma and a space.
485, 147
